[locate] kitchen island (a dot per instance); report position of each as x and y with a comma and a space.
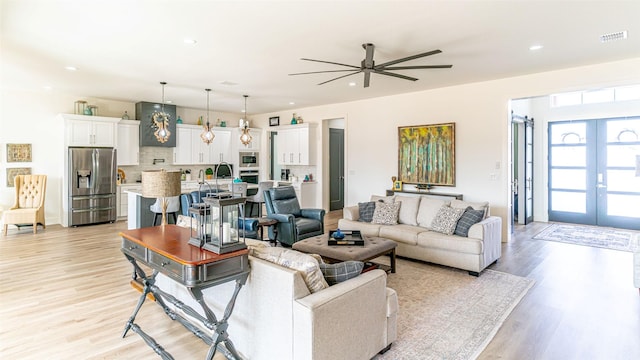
138, 213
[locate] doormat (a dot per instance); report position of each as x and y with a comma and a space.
602, 237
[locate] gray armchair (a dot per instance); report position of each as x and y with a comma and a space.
294, 224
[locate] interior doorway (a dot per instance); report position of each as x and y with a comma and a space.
522, 179
336, 169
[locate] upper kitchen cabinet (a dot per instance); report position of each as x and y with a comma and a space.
254, 145
144, 111
191, 150
128, 142
297, 144
94, 131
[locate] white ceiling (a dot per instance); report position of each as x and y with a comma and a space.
123, 49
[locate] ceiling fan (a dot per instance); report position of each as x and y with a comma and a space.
368, 66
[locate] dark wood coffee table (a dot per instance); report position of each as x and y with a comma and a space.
373, 247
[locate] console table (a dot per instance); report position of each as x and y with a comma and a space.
429, 193
165, 249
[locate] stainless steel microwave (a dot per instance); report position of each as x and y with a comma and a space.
249, 159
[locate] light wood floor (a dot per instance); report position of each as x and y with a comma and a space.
65, 294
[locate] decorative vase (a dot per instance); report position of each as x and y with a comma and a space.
87, 111
179, 120
338, 234
125, 116
200, 120
293, 119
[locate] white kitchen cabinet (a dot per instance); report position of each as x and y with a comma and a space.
296, 145
182, 152
128, 142
254, 145
122, 198
220, 148
97, 131
191, 150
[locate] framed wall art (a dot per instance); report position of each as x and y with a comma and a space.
274, 121
426, 154
18, 152
13, 172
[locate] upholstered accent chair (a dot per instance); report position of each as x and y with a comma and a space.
293, 223
28, 209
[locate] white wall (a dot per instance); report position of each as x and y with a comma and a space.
481, 112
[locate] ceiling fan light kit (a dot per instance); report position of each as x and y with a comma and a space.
368, 66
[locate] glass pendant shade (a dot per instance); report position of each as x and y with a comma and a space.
207, 133
160, 121
245, 137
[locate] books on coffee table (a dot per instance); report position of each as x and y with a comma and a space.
351, 238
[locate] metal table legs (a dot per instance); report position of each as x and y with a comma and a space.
210, 321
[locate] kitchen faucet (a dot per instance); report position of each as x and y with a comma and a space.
216, 173
201, 173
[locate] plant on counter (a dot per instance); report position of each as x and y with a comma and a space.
209, 173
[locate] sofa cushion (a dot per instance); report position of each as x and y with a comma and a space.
453, 243
366, 210
406, 234
342, 271
367, 229
446, 219
306, 264
408, 210
467, 220
428, 209
460, 204
387, 199
386, 213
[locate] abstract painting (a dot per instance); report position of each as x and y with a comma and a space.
18, 152
13, 172
426, 154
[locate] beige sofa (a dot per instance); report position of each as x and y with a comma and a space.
277, 317
416, 240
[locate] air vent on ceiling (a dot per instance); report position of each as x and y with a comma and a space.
620, 35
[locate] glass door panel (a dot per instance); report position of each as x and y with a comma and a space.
592, 172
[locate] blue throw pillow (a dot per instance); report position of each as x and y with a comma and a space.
468, 219
366, 210
342, 271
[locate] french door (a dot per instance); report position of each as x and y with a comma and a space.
594, 177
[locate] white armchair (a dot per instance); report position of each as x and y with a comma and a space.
28, 209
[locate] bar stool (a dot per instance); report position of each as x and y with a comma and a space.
258, 198
173, 207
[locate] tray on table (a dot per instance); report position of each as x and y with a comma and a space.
351, 238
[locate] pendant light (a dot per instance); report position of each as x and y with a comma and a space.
160, 121
245, 137
207, 133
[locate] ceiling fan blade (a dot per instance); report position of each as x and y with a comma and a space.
396, 75
340, 77
368, 59
330, 62
367, 78
417, 56
319, 72
417, 67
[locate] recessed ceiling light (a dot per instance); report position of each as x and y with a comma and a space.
352, 84
227, 83
292, 103
71, 68
190, 41
620, 35
47, 87
535, 47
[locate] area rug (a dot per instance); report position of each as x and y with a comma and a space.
602, 237
448, 314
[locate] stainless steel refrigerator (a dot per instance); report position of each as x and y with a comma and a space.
92, 185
